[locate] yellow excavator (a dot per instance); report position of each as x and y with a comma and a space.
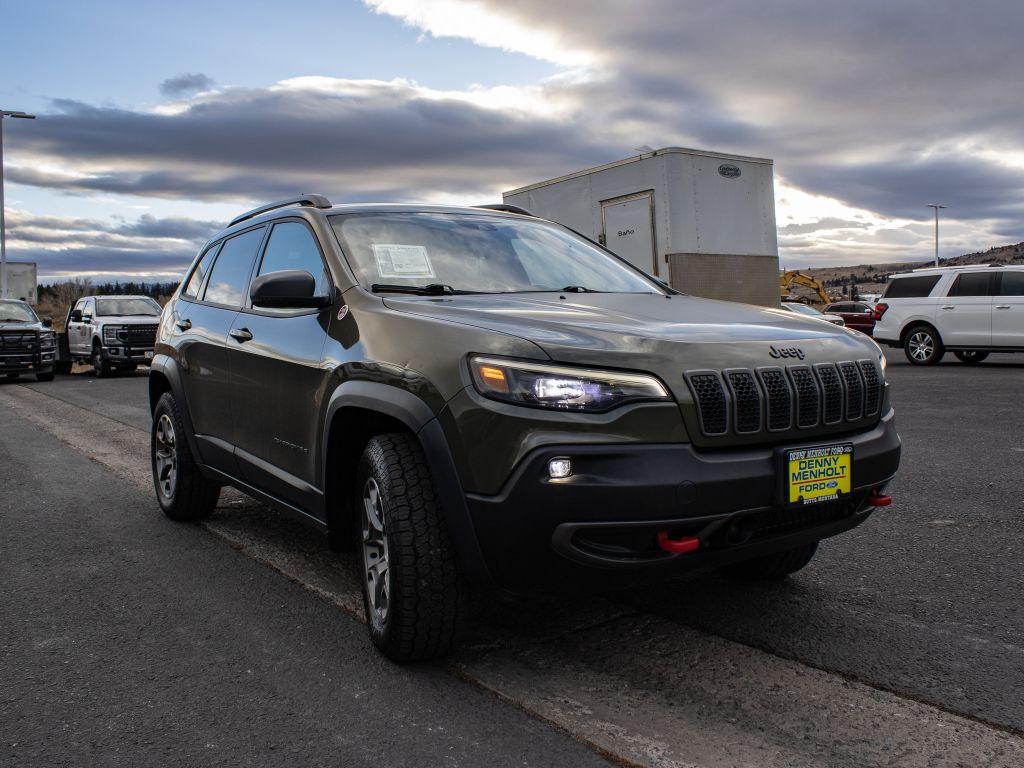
788, 279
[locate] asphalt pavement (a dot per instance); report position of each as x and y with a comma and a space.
922, 601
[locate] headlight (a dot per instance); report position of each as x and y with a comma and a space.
47, 339
111, 333
561, 387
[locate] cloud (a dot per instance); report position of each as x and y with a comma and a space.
146, 246
870, 110
186, 85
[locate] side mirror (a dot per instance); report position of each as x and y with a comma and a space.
287, 289
76, 315
47, 322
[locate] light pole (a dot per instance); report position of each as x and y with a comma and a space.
936, 206
3, 234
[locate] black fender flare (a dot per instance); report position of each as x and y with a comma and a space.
168, 367
418, 417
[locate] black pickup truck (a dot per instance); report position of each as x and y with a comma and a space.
27, 345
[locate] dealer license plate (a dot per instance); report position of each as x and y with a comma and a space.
818, 474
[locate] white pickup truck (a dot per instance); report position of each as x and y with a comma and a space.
109, 332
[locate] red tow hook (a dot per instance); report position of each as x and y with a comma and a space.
687, 544
876, 499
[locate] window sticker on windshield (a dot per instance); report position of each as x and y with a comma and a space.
402, 261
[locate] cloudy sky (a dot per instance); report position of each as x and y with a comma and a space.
158, 122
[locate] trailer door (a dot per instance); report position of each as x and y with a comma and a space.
627, 225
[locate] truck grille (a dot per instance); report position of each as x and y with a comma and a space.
142, 336
772, 399
16, 341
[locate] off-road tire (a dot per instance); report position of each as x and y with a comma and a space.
99, 363
775, 566
45, 376
923, 346
192, 496
970, 356
428, 597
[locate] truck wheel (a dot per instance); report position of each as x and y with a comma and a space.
971, 356
45, 376
773, 566
414, 596
99, 364
184, 494
923, 346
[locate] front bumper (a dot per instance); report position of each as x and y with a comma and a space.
34, 361
122, 355
596, 530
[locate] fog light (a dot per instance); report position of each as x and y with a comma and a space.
559, 468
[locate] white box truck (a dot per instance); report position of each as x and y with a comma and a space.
21, 281
703, 221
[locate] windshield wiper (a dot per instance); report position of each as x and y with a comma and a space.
434, 289
578, 289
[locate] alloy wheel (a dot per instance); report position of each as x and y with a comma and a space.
375, 555
922, 346
165, 456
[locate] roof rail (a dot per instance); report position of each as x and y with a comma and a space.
959, 266
317, 201
505, 208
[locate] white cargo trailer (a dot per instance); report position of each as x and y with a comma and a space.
703, 221
21, 281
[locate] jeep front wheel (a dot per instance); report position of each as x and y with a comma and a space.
414, 596
923, 346
182, 491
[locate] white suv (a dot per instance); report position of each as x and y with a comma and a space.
970, 311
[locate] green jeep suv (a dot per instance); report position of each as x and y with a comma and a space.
478, 400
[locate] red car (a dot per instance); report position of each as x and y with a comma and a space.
858, 315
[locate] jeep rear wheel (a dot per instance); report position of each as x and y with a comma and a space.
182, 491
774, 566
923, 346
414, 596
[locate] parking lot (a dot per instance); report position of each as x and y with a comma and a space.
899, 645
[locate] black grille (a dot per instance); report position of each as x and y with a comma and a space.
832, 391
710, 398
872, 387
141, 335
18, 342
806, 397
778, 397
854, 391
747, 401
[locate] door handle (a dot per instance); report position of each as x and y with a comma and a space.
1002, 306
242, 335
183, 325
949, 306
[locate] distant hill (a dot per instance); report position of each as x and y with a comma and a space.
871, 278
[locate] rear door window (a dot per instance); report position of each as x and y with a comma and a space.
231, 270
910, 287
195, 281
1012, 284
972, 284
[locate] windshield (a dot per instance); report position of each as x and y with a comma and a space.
803, 309
16, 312
120, 307
478, 253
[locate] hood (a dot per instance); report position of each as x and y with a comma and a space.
128, 319
28, 325
647, 331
